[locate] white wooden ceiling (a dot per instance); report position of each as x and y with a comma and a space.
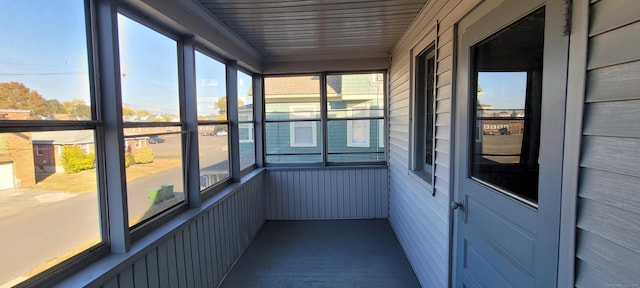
317, 30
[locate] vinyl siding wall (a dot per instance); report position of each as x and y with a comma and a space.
420, 220
608, 225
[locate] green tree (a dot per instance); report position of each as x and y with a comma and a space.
54, 106
77, 107
221, 105
14, 95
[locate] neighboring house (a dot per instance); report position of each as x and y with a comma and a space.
48, 146
11, 114
16, 160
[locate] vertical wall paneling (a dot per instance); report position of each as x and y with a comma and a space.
607, 249
335, 193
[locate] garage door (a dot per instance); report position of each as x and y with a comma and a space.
6, 176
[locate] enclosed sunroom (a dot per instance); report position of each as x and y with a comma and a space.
320, 143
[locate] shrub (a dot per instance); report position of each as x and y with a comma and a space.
129, 160
144, 155
75, 159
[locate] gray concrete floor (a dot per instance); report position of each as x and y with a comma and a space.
323, 253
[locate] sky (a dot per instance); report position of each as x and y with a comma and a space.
45, 48
503, 90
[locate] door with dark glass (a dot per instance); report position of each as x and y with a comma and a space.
509, 136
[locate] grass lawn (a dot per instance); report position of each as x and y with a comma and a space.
85, 181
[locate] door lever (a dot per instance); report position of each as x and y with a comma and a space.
455, 205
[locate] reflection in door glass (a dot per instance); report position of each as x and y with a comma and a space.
508, 80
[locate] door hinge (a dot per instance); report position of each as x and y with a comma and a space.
568, 5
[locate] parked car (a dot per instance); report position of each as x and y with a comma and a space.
221, 133
155, 139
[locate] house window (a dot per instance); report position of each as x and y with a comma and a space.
39, 150
358, 130
355, 107
213, 144
150, 89
423, 114
302, 133
292, 119
245, 133
46, 97
245, 121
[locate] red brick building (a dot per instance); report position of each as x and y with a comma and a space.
16, 158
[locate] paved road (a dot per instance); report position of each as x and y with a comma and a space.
54, 223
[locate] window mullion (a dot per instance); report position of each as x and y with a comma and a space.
112, 130
190, 119
258, 118
232, 114
323, 117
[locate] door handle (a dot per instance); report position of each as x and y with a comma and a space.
455, 205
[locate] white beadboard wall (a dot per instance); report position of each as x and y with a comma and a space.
197, 253
420, 220
327, 193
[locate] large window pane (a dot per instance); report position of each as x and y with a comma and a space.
48, 201
293, 139
292, 130
285, 95
245, 96
214, 154
154, 173
358, 100
43, 76
211, 88
149, 67
355, 95
245, 117
344, 134
506, 142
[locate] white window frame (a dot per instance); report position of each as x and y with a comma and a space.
367, 127
295, 112
39, 150
248, 126
381, 133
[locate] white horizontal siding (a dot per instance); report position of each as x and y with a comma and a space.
421, 220
336, 193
